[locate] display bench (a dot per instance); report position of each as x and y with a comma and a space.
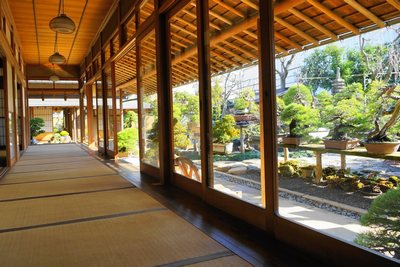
320, 149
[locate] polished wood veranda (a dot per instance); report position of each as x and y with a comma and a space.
61, 207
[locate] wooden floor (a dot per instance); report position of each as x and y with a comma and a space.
61, 207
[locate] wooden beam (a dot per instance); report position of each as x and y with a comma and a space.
251, 4
334, 16
230, 52
244, 51
280, 49
297, 31
360, 8
313, 23
230, 8
288, 41
395, 3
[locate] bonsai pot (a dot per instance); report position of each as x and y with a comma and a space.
291, 140
341, 144
382, 148
223, 148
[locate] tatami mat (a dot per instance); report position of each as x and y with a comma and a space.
52, 215
147, 239
57, 187
41, 211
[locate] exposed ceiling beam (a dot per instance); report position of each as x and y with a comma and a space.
288, 41
313, 23
297, 31
395, 3
341, 21
366, 12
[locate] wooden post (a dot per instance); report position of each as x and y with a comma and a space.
343, 161
318, 168
285, 154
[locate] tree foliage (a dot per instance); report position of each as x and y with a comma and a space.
300, 119
36, 125
224, 130
383, 217
128, 140
298, 93
320, 67
130, 119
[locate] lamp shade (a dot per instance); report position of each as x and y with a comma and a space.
56, 58
62, 24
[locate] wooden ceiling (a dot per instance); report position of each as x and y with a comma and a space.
32, 19
299, 25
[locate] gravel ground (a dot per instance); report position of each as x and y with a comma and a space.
354, 199
300, 185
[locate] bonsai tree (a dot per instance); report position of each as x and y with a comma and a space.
384, 109
224, 130
383, 220
297, 113
300, 119
36, 125
345, 114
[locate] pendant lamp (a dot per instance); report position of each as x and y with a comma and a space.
56, 58
54, 77
62, 23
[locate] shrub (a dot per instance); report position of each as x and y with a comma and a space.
224, 130
128, 140
181, 139
298, 93
383, 219
64, 133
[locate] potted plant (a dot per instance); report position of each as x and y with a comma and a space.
344, 118
224, 132
301, 120
384, 108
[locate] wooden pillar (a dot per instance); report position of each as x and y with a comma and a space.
343, 161
203, 43
164, 98
285, 154
15, 104
318, 168
269, 164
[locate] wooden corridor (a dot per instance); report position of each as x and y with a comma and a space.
61, 207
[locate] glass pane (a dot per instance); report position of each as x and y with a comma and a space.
100, 114
185, 93
235, 102
110, 110
127, 115
326, 103
94, 134
149, 106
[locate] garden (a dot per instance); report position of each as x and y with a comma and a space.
345, 99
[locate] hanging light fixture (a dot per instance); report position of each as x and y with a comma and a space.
54, 78
56, 58
62, 23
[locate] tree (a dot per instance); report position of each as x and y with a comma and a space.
298, 93
320, 67
383, 110
383, 220
300, 119
224, 130
285, 63
36, 125
130, 119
